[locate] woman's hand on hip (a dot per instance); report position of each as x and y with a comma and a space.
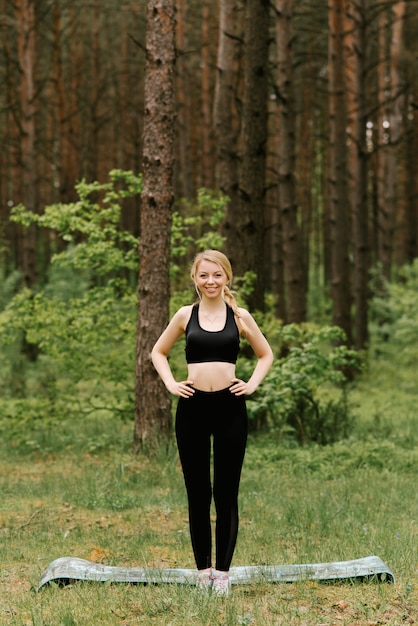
182, 389
240, 387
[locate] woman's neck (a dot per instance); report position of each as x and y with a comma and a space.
212, 305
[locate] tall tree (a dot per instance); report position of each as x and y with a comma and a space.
225, 120
25, 17
8, 170
356, 98
307, 155
293, 256
207, 176
397, 115
249, 223
339, 205
274, 271
152, 402
408, 235
185, 163
389, 129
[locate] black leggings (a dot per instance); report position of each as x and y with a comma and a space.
224, 416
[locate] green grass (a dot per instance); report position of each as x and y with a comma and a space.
74, 489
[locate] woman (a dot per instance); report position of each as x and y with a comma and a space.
212, 404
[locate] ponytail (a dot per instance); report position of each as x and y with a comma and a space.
229, 298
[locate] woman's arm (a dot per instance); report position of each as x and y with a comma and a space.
162, 348
263, 353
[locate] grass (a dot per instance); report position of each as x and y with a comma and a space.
74, 489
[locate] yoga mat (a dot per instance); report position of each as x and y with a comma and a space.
66, 570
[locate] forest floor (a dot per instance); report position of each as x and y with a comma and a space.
309, 504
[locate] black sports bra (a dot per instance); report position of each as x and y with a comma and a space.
204, 345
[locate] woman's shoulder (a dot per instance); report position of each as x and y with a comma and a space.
244, 313
247, 319
183, 314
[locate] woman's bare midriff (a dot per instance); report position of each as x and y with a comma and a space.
212, 376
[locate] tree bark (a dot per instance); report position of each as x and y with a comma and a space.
389, 129
356, 42
293, 255
185, 175
207, 176
408, 237
311, 228
225, 117
397, 113
152, 402
27, 124
408, 243
339, 206
274, 271
249, 254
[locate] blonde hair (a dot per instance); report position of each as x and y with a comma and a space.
215, 256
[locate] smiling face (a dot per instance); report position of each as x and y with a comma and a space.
210, 279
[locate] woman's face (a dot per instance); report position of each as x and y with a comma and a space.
210, 279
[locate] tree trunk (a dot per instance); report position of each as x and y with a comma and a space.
207, 177
408, 244
185, 174
384, 212
92, 146
152, 402
307, 197
409, 232
74, 112
339, 206
274, 272
393, 195
225, 117
293, 255
249, 224
9, 172
26, 53
356, 41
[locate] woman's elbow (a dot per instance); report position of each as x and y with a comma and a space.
157, 354
269, 357
154, 354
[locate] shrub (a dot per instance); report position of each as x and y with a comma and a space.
304, 396
82, 323
393, 312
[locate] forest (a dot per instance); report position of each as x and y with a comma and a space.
290, 144
133, 135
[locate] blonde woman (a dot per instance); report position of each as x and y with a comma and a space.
212, 406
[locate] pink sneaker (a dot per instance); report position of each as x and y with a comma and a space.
204, 581
221, 584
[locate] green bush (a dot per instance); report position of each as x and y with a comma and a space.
81, 325
92, 224
83, 321
393, 313
304, 396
